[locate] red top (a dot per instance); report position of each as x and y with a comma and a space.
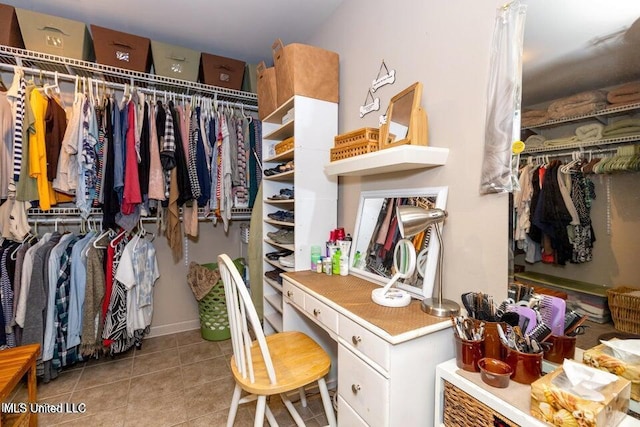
131, 196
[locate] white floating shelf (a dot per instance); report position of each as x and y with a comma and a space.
403, 157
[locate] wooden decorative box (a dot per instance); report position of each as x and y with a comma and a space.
557, 406
602, 357
354, 143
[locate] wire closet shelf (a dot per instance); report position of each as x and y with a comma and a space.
69, 68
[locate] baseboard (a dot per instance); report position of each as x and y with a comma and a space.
173, 328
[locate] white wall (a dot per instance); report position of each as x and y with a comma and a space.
444, 45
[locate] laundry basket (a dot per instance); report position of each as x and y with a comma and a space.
209, 291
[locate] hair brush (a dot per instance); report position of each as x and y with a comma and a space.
552, 310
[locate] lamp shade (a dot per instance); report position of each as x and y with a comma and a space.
412, 219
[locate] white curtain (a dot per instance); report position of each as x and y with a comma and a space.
504, 93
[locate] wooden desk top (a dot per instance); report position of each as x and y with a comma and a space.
353, 294
14, 363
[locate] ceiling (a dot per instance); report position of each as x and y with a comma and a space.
569, 45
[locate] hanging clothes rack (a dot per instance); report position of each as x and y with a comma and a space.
68, 68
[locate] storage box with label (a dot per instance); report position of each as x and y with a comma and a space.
267, 91
553, 403
55, 35
220, 71
175, 61
9, 28
307, 71
602, 357
121, 50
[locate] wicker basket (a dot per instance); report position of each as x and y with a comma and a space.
357, 136
464, 410
625, 308
353, 150
283, 146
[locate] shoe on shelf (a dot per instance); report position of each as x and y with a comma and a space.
285, 194
273, 256
274, 275
274, 234
284, 216
287, 261
286, 238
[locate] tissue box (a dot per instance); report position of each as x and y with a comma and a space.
550, 403
602, 357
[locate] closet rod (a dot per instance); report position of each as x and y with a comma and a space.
121, 86
49, 220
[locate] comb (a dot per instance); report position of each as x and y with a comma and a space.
572, 329
552, 309
570, 318
540, 333
527, 317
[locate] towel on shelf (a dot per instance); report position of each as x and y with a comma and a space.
622, 127
533, 117
579, 104
560, 141
592, 132
626, 94
534, 141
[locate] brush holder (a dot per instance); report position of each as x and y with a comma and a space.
492, 343
527, 367
562, 347
468, 353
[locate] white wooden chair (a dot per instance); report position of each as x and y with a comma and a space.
277, 364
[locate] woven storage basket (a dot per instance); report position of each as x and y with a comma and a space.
357, 136
625, 308
353, 150
283, 146
464, 410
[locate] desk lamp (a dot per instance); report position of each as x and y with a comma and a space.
411, 221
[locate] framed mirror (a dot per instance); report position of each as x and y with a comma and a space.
376, 234
406, 121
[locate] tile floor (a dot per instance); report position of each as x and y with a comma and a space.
174, 380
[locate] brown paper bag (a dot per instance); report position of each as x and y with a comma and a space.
307, 71
267, 96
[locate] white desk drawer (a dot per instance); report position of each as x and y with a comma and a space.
362, 388
360, 339
347, 416
321, 312
293, 294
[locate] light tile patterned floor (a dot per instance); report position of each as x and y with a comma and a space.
174, 380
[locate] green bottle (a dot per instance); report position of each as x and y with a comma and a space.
335, 262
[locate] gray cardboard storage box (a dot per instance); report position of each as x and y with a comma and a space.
55, 35
250, 80
175, 61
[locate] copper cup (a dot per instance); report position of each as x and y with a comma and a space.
468, 353
562, 347
527, 367
492, 343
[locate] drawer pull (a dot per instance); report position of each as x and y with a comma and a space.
355, 388
355, 339
289, 294
316, 312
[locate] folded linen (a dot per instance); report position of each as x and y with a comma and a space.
560, 141
533, 117
581, 103
626, 94
591, 132
534, 141
622, 128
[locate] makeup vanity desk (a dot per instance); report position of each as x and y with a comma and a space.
383, 359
